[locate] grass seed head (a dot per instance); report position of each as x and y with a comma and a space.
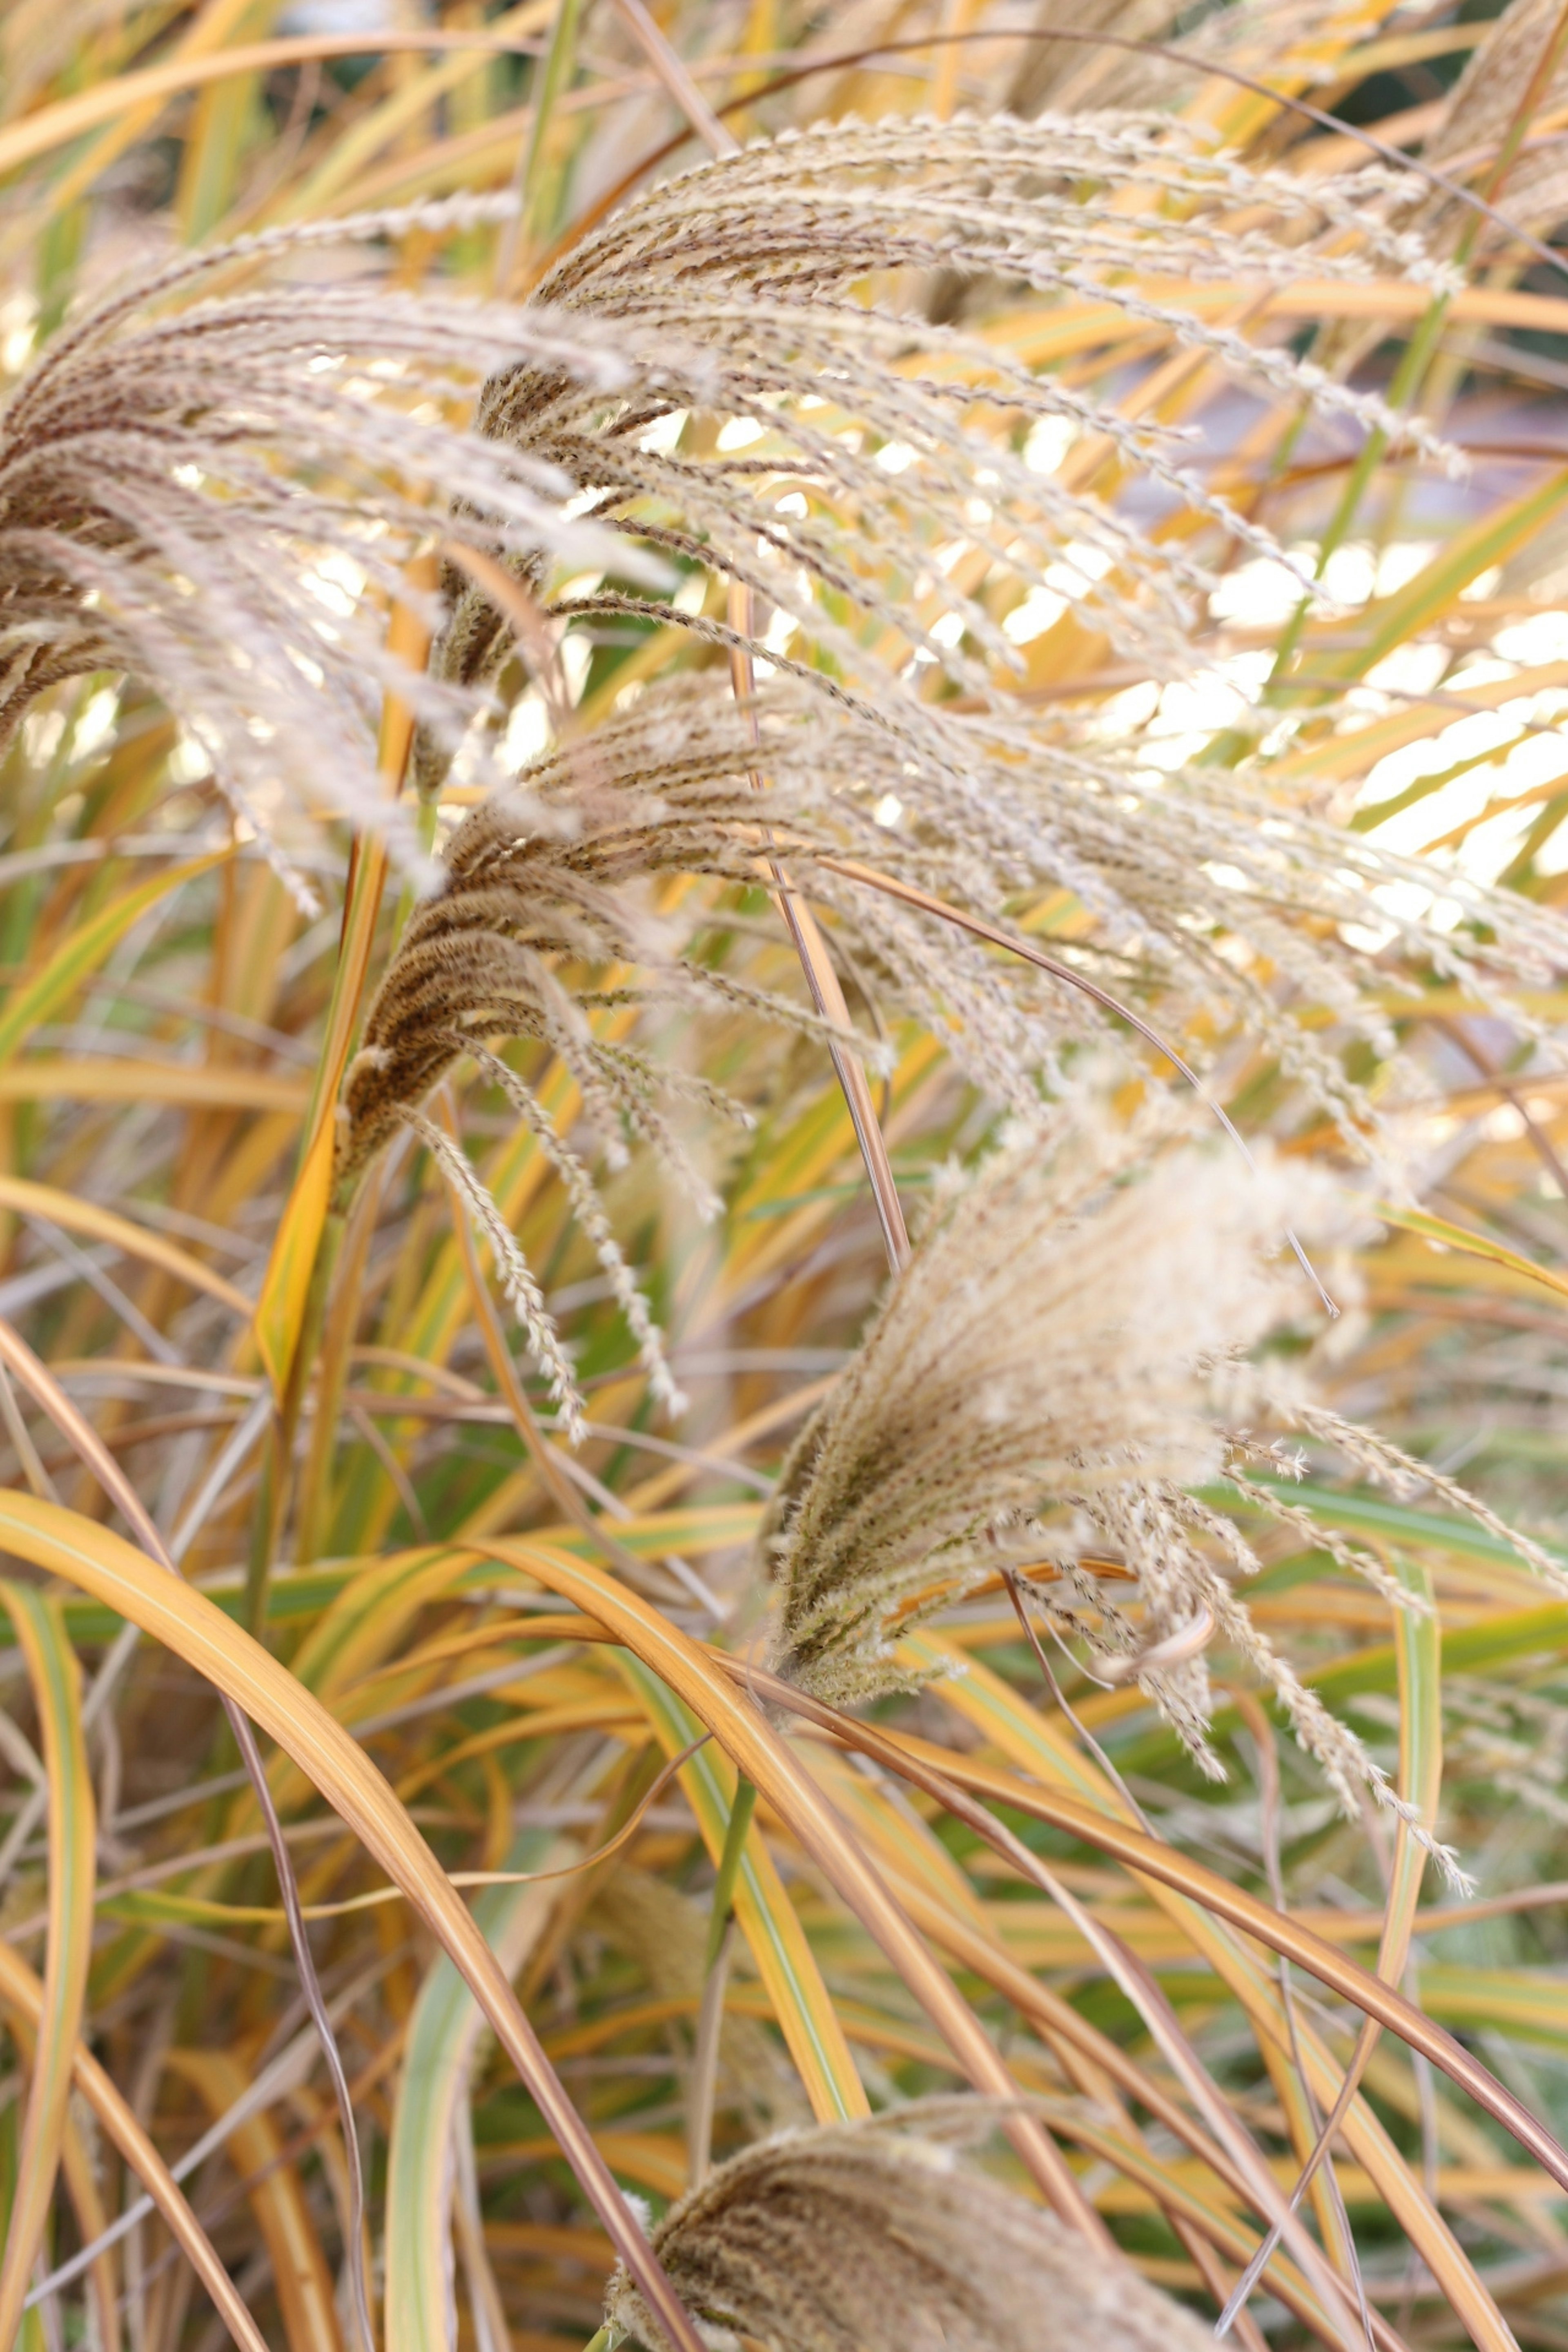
866, 2240
1038, 1385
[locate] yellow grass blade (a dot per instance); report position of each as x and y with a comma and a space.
81, 953
24, 1997
1482, 1245
300, 2272
203, 1085
39, 1628
101, 1563
150, 87
78, 1216
768, 1762
1202, 1901
786, 1962
285, 1286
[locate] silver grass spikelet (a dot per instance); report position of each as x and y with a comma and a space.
782, 288
1056, 1371
544, 887
1038, 1385
1044, 1386
796, 426
214, 479
855, 2239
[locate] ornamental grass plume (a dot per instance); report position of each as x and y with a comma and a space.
555, 904
875, 456
859, 485
859, 2238
1049, 1382
1041, 1389
204, 474
1037, 1386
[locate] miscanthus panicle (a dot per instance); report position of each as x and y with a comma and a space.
1049, 1381
864, 2239
1195, 901
215, 480
876, 454
849, 481
561, 899
1038, 1387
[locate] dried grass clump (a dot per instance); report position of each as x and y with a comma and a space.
862, 2239
197, 488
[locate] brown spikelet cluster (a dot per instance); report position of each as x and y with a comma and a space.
547, 882
213, 482
857, 2240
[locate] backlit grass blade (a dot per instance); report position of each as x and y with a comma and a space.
1472, 1244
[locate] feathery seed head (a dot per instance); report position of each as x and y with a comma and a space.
218, 494
857, 2239
1036, 1386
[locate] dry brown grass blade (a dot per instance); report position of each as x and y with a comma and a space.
21, 1992
304, 2283
765, 1760
41, 1383
38, 1622
954, 1780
